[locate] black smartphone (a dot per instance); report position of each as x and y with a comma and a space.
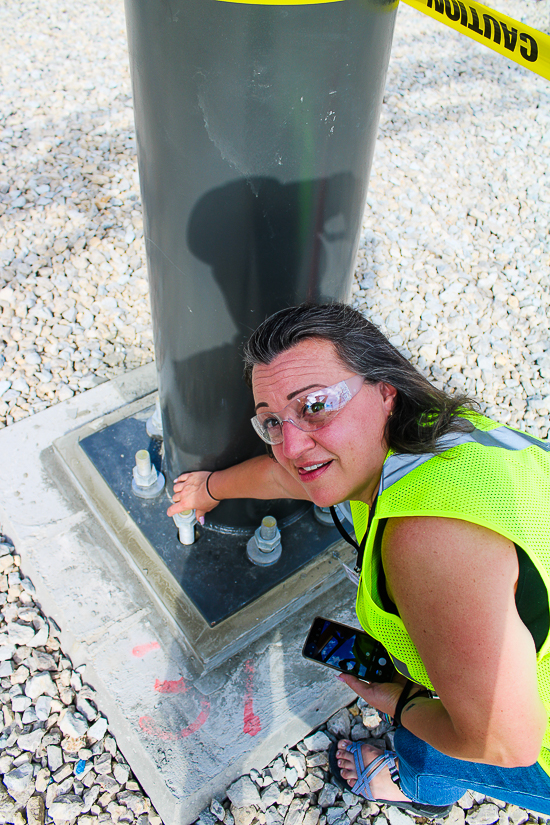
348, 650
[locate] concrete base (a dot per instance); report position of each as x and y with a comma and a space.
186, 731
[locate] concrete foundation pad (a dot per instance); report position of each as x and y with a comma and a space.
187, 731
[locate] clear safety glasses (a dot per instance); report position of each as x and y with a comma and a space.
309, 412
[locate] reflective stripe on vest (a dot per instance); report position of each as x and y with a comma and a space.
397, 466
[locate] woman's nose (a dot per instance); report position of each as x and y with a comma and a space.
295, 441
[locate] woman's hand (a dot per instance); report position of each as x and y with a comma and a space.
380, 695
190, 493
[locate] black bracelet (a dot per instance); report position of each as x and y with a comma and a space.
207, 488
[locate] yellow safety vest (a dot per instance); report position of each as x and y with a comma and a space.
493, 476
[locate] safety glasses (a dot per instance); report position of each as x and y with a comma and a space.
308, 412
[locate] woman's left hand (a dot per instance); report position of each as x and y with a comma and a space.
380, 695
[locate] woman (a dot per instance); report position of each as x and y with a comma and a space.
455, 574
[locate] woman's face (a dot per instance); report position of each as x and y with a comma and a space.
343, 460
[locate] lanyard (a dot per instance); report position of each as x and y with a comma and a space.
360, 548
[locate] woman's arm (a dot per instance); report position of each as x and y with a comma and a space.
259, 477
454, 585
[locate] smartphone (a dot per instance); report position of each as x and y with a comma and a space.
348, 650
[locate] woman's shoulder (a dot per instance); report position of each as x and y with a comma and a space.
417, 546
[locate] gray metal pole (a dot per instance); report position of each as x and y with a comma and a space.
256, 127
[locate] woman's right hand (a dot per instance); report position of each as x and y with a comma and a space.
190, 493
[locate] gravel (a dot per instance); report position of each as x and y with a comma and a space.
453, 264
58, 761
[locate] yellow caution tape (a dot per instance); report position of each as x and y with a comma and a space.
503, 34
282, 2
524, 45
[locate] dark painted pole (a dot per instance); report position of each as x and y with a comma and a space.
256, 126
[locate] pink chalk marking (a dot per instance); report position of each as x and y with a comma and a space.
171, 687
252, 724
143, 650
150, 727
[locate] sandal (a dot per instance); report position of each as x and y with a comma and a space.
366, 774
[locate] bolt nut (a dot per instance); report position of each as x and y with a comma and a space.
264, 547
185, 522
146, 481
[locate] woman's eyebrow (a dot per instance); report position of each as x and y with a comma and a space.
291, 396
304, 389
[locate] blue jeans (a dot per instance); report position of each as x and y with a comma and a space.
428, 776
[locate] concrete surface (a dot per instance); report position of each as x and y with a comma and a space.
187, 730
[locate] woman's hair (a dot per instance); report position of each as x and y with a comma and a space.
421, 414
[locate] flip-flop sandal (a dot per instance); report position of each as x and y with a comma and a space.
366, 774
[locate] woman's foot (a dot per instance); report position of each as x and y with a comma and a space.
382, 785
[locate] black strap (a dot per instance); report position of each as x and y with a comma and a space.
342, 530
401, 702
360, 548
405, 698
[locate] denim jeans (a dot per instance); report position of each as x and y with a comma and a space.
428, 776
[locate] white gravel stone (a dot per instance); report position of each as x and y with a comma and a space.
135, 802
270, 796
277, 769
296, 812
42, 707
121, 773
456, 816
20, 703
517, 815
98, 730
90, 796
327, 796
297, 762
484, 815
30, 741
245, 815
370, 718
317, 742
65, 808
217, 809
398, 817
73, 724
244, 792
102, 764
86, 708
19, 779
39, 685
6, 651
340, 724
55, 757
336, 816
20, 634
7, 808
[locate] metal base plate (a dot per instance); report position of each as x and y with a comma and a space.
218, 598
215, 572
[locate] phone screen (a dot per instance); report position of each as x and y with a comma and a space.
348, 650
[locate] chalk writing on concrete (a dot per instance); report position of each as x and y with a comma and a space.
252, 724
143, 650
171, 687
152, 728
